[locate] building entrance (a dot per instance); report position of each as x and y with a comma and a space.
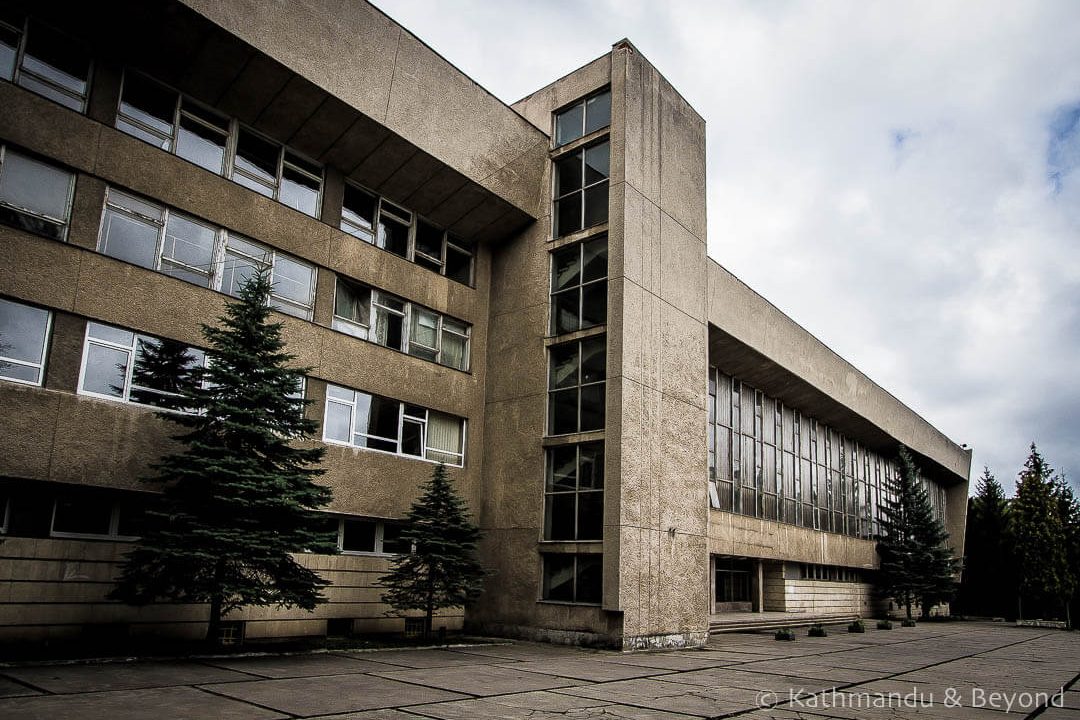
733, 586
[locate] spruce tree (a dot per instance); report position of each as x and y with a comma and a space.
988, 580
916, 563
1069, 511
1041, 555
442, 570
238, 495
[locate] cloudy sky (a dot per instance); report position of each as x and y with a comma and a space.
900, 178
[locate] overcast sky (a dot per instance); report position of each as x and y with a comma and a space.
900, 178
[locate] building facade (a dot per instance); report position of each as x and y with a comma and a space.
520, 292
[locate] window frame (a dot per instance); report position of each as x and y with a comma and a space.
18, 70
556, 199
379, 541
62, 223
44, 355
583, 102
113, 533
403, 417
578, 386
550, 492
543, 596
578, 288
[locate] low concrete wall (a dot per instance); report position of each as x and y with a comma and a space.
828, 597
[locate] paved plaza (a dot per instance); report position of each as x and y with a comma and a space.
937, 670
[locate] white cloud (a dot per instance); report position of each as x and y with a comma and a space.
945, 267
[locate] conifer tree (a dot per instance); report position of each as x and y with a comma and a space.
1041, 555
988, 579
238, 495
442, 570
916, 563
1069, 510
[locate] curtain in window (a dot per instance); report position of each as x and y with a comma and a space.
453, 350
444, 438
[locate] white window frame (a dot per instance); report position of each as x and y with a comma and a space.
380, 536
129, 370
112, 534
40, 366
18, 70
403, 417
64, 222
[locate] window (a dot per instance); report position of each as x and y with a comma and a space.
380, 222
162, 239
24, 335
34, 196
574, 492
581, 189
177, 124
573, 578
576, 386
44, 61
583, 117
377, 537
377, 423
579, 286
5, 513
97, 515
122, 365
383, 318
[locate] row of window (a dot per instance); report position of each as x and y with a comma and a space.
122, 365
830, 573
42, 60
37, 196
768, 460
581, 175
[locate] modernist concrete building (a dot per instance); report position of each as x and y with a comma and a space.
522, 292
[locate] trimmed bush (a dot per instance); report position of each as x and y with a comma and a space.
884, 624
908, 622
856, 627
817, 631
785, 634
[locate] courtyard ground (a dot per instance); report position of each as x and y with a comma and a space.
936, 670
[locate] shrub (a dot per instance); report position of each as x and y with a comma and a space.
785, 634
908, 622
817, 631
856, 627
884, 624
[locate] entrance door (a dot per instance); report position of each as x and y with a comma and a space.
734, 584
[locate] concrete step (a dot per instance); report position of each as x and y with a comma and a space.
751, 623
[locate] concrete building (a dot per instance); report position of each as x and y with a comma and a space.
522, 292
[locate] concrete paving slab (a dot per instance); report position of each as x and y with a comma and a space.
88, 677
665, 661
385, 714
331, 694
177, 703
479, 679
525, 651
1055, 713
10, 688
593, 669
816, 670
669, 696
284, 666
424, 658
540, 706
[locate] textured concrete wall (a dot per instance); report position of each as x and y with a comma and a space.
743, 536
657, 359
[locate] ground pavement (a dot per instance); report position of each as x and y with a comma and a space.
937, 670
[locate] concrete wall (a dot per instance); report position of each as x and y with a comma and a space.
743, 536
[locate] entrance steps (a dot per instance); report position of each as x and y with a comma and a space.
750, 622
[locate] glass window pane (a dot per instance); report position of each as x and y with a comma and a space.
111, 334
162, 368
300, 192
568, 215
558, 578
424, 333
562, 468
292, 280
568, 174
445, 438
130, 239
412, 438
429, 240
389, 328
161, 141
192, 244
458, 265
201, 145
106, 370
596, 204
338, 418
235, 272
382, 418
392, 541
597, 112
562, 412
593, 359
594, 305
88, 514
597, 159
257, 157
559, 516
594, 259
454, 349
9, 44
591, 472
135, 205
352, 302
592, 407
31, 185
565, 268
564, 366
590, 516
22, 334
151, 104
340, 393
565, 310
33, 84
358, 536
358, 213
393, 236
590, 585
57, 59
568, 124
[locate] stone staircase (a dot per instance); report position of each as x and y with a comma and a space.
752, 622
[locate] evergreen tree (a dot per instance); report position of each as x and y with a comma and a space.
916, 563
988, 579
238, 496
1069, 511
442, 570
1042, 562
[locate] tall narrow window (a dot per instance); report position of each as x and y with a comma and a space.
574, 492
352, 309
579, 286
24, 336
34, 196
572, 578
576, 384
581, 189
583, 117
